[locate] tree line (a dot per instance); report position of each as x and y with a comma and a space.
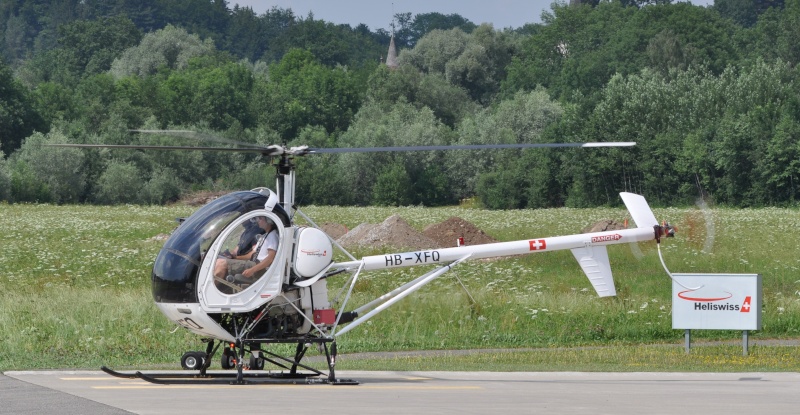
709, 94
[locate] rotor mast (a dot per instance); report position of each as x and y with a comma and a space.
285, 182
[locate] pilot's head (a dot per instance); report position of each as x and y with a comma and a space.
265, 223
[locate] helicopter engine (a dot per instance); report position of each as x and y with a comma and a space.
292, 313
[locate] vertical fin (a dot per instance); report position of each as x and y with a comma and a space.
639, 209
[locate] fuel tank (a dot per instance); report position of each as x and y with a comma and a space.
313, 252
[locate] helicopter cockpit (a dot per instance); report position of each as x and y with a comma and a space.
216, 227
245, 252
238, 250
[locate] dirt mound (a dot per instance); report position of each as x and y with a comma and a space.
393, 232
334, 230
604, 225
201, 198
447, 233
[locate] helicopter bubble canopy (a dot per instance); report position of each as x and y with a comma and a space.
176, 269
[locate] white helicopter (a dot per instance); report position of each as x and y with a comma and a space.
289, 302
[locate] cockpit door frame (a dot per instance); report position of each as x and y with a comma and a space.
263, 290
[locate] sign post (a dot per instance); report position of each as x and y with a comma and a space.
716, 302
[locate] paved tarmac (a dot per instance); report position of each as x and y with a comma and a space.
94, 392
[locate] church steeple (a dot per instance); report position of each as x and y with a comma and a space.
391, 57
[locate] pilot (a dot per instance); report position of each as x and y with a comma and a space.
248, 270
247, 241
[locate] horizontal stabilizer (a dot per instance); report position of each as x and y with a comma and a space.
639, 209
594, 262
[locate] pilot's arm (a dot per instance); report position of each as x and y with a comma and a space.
261, 265
246, 255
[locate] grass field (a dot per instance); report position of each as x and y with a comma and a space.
74, 293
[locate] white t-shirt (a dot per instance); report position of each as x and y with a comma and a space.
270, 243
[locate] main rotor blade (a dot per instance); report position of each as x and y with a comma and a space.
267, 151
276, 150
464, 147
194, 135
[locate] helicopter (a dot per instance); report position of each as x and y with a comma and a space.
288, 303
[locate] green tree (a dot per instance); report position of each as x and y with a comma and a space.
170, 47
697, 134
786, 42
450, 103
522, 119
18, 36
501, 189
54, 101
147, 15
275, 24
745, 12
163, 186
482, 65
98, 96
18, 119
121, 182
207, 92
319, 177
580, 48
94, 44
433, 52
57, 169
400, 125
475, 61
782, 160
330, 44
392, 187
666, 51
246, 36
25, 185
303, 92
411, 30
5, 179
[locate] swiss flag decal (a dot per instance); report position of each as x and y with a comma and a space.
537, 244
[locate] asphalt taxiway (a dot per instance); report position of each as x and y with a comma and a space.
94, 392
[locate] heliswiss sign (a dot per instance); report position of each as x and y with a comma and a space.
716, 301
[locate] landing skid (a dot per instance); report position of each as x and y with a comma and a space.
229, 378
247, 377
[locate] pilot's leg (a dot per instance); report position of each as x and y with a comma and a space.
237, 266
220, 267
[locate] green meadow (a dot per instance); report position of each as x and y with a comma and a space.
74, 293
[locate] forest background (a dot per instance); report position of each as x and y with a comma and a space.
709, 94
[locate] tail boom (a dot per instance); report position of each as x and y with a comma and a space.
500, 249
589, 249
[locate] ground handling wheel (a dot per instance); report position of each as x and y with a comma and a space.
193, 360
256, 361
228, 360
